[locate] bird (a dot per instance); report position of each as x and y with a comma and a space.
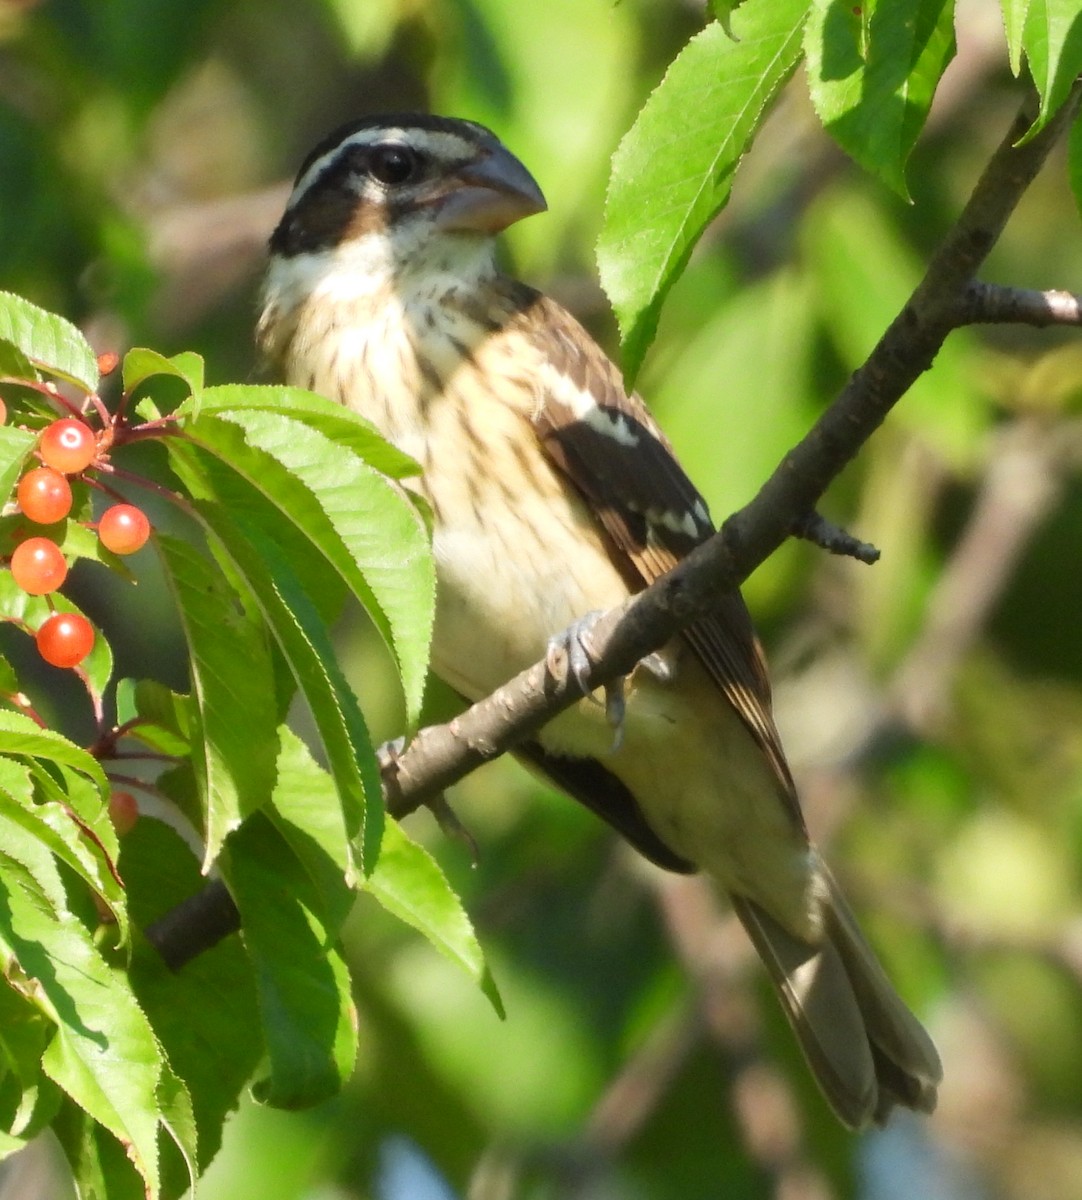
555, 495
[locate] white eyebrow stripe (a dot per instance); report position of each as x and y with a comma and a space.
441, 141
363, 137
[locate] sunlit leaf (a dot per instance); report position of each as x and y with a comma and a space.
48, 341
674, 169
408, 882
1052, 40
141, 364
1014, 23
15, 447
160, 871
873, 70
359, 520
103, 1054
259, 551
309, 1021
233, 710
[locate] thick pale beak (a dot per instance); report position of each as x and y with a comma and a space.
492, 192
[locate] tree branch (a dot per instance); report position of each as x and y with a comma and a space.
946, 297
993, 304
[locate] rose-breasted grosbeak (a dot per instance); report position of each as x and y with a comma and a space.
554, 494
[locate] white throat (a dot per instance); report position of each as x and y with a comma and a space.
416, 265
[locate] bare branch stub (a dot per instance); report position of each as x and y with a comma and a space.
995, 304
813, 527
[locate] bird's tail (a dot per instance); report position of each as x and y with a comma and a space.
866, 1049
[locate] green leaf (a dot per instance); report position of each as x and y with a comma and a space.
28, 1098
141, 365
217, 1053
408, 882
15, 447
177, 1117
673, 171
99, 1166
1052, 40
270, 563
14, 363
48, 341
873, 70
21, 737
84, 843
309, 1021
234, 720
361, 522
342, 425
163, 716
723, 12
103, 1053
1014, 23
307, 814
307, 647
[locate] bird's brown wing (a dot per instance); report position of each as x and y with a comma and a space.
609, 447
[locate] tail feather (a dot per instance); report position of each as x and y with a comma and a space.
866, 1050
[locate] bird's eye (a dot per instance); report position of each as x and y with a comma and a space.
392, 164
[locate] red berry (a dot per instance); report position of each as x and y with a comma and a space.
65, 639
108, 362
123, 812
3, 412
38, 566
123, 529
44, 495
68, 445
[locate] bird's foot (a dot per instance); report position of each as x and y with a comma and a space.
389, 753
574, 642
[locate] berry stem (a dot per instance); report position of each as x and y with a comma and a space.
48, 391
99, 407
174, 498
97, 704
21, 701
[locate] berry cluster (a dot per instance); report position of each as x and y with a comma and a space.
67, 447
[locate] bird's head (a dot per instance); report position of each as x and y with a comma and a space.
406, 180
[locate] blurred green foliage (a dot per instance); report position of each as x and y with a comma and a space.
932, 704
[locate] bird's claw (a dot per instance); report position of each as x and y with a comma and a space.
574, 642
658, 666
615, 710
390, 752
